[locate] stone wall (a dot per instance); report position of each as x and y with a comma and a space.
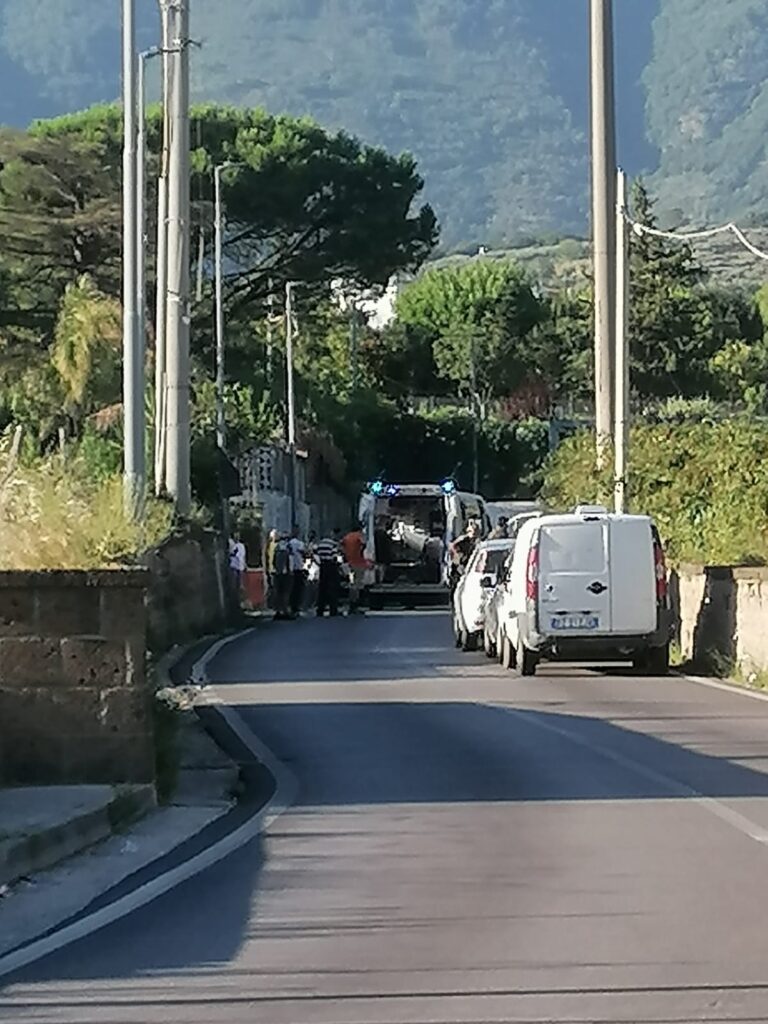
74, 701
722, 616
190, 589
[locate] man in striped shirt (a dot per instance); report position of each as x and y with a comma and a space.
328, 556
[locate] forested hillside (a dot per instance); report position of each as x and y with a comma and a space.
489, 95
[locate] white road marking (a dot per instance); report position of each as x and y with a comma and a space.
283, 797
720, 810
715, 684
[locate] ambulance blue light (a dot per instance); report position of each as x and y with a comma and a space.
448, 486
377, 487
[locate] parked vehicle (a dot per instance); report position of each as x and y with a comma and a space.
473, 590
588, 585
493, 607
408, 529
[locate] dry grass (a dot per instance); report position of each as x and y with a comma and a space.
54, 516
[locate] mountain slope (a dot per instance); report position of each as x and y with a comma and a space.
490, 95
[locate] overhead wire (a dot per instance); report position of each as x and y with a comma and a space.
696, 236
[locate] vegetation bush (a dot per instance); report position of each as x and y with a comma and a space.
705, 484
55, 514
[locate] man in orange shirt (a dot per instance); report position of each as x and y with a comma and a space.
353, 548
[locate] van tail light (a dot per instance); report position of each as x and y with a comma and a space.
532, 574
661, 569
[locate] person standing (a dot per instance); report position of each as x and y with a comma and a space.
282, 578
269, 564
353, 549
461, 551
237, 563
328, 557
298, 573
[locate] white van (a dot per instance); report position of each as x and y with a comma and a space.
586, 586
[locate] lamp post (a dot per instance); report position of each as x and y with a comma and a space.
133, 364
221, 426
141, 198
291, 396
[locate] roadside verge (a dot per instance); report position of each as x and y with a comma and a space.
208, 846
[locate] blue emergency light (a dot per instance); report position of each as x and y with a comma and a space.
377, 487
448, 486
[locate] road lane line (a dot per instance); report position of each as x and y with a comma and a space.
719, 810
714, 684
286, 788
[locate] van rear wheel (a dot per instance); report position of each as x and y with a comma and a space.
653, 662
526, 659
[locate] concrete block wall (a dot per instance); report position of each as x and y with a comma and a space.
75, 705
190, 590
722, 615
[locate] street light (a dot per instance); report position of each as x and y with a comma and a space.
221, 426
133, 363
141, 197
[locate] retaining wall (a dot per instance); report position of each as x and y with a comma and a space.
722, 615
74, 700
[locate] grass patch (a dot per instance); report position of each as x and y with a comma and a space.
124, 808
55, 514
167, 721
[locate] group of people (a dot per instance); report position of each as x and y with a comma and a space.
295, 566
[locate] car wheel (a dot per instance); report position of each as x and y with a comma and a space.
653, 662
526, 659
469, 641
457, 633
489, 645
508, 659
499, 646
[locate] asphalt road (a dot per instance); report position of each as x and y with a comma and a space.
466, 847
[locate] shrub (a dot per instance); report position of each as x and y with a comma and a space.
55, 514
705, 484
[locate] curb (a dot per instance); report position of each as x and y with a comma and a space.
283, 796
37, 851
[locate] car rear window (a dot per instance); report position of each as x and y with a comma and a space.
577, 548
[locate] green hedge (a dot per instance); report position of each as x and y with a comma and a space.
705, 484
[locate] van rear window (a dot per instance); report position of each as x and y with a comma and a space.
577, 548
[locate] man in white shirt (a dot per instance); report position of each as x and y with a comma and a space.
237, 562
297, 552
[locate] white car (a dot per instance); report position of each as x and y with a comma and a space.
586, 586
474, 588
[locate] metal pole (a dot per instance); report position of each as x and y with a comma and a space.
270, 314
178, 311
603, 131
161, 274
141, 202
221, 438
291, 400
133, 364
353, 326
622, 346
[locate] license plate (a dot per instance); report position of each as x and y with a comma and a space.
564, 623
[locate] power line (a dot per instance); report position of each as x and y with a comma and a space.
697, 236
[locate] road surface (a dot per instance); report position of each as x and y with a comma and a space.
466, 846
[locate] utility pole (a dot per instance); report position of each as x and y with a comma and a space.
141, 200
178, 304
603, 131
290, 397
133, 362
270, 314
353, 329
161, 303
622, 346
221, 436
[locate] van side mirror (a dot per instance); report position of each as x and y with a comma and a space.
487, 582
